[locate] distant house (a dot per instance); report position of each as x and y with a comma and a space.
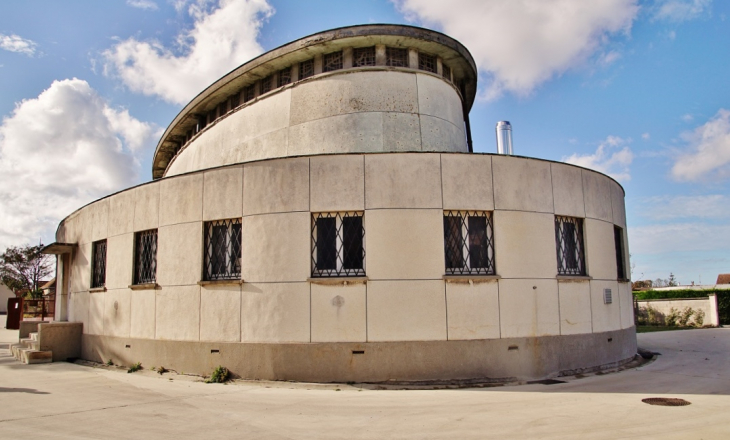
723, 278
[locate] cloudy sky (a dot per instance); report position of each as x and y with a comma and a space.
635, 89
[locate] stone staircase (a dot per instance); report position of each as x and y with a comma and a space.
28, 351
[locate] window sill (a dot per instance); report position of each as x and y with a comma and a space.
334, 281
573, 278
97, 289
623, 280
220, 282
471, 279
146, 286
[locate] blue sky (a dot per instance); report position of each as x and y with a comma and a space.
635, 89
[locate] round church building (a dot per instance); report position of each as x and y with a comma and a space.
318, 214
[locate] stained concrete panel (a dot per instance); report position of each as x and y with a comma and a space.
402, 181
339, 313
177, 313
354, 93
120, 260
575, 307
618, 207
223, 193
147, 206
441, 135
472, 309
606, 317
438, 98
220, 313
179, 254
600, 248
406, 311
95, 324
183, 162
404, 244
276, 247
99, 221
337, 183
142, 314
121, 213
467, 182
567, 190
81, 268
267, 146
78, 308
401, 132
359, 132
181, 199
524, 244
275, 312
117, 312
276, 186
626, 303
522, 184
597, 194
529, 308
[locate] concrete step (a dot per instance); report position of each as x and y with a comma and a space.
28, 356
31, 343
33, 336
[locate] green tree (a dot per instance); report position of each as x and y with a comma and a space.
23, 268
672, 281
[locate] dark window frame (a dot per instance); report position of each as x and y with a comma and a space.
222, 243
570, 246
396, 57
338, 244
427, 62
98, 263
332, 61
306, 69
284, 77
145, 256
618, 239
363, 56
469, 243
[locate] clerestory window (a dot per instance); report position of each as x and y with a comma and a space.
396, 57
469, 243
332, 61
569, 246
337, 244
363, 56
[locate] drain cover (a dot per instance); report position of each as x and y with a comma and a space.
666, 401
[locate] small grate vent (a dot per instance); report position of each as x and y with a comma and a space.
364, 56
306, 69
427, 62
666, 401
395, 57
607, 296
332, 61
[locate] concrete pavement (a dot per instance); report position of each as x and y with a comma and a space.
63, 400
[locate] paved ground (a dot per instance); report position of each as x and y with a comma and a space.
64, 400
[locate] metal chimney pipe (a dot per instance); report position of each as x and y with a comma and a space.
504, 138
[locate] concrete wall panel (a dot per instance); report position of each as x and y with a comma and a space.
220, 313
467, 182
404, 244
525, 244
275, 312
401, 132
406, 311
121, 212
117, 312
81, 268
402, 181
606, 317
142, 315
567, 190
276, 186
529, 308
600, 250
626, 303
337, 183
95, 324
618, 207
179, 261
267, 146
147, 207
522, 185
99, 220
339, 313
78, 308
438, 98
575, 307
597, 193
440, 135
177, 313
472, 310
120, 261
223, 194
276, 247
181, 199
338, 134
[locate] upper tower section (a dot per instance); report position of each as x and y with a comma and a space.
369, 88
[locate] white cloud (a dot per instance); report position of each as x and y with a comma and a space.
679, 237
662, 208
14, 43
646, 136
222, 38
709, 157
60, 151
142, 4
687, 117
679, 10
520, 44
607, 159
